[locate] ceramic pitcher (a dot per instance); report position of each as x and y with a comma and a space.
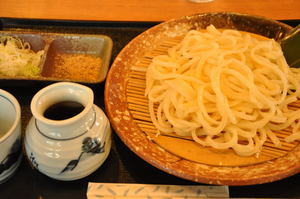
69, 148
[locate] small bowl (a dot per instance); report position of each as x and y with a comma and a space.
10, 135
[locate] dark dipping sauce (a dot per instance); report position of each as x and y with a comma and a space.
63, 110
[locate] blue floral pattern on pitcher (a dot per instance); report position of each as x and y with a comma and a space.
89, 145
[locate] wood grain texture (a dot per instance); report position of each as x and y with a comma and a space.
138, 10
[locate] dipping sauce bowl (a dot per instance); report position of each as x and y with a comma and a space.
10, 135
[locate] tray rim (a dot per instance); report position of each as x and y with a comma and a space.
203, 173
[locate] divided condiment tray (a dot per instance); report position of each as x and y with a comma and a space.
82, 58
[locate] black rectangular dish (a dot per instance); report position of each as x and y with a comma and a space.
64, 57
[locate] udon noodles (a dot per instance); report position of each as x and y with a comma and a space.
225, 89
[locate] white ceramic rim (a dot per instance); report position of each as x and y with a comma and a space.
40, 117
17, 107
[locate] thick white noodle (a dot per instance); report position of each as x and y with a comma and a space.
225, 89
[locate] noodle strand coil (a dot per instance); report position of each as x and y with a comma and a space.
225, 89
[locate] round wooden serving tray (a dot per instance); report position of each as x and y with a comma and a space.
127, 108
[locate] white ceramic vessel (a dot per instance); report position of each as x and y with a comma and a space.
10, 135
71, 148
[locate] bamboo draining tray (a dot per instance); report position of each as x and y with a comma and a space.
185, 147
127, 109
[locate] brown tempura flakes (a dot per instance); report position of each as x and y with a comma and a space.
81, 67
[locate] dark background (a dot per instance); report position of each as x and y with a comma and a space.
122, 165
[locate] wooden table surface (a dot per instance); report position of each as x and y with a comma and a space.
142, 10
